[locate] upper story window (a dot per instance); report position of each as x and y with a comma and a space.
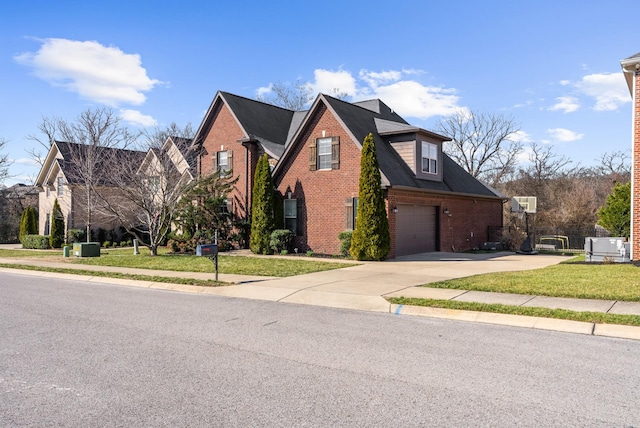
429, 158
324, 154
60, 186
223, 161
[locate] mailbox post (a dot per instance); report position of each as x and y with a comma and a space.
211, 251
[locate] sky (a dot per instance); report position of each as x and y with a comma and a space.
551, 66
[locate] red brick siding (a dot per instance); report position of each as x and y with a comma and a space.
635, 227
321, 195
224, 135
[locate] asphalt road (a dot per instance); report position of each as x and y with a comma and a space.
76, 354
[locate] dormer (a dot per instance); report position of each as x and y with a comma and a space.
420, 149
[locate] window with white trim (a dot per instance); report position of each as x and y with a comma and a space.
324, 153
429, 158
223, 161
60, 186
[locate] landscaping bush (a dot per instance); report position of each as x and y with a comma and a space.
280, 239
76, 235
345, 242
106, 244
35, 242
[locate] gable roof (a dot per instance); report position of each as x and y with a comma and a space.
59, 158
375, 117
267, 124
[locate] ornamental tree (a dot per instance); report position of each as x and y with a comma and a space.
370, 239
262, 208
615, 214
56, 238
28, 222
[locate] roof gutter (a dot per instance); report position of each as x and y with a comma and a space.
448, 193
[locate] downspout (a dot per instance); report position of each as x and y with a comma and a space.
246, 143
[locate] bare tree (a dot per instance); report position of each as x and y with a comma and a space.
484, 144
616, 165
90, 143
4, 161
294, 96
151, 188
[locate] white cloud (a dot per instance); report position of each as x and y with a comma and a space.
98, 73
564, 135
520, 136
327, 81
566, 104
408, 97
264, 90
375, 79
134, 117
609, 90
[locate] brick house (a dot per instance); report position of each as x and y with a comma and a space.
234, 133
432, 203
631, 71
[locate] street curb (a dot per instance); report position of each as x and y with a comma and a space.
566, 326
552, 324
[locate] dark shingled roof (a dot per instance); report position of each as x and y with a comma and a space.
362, 120
129, 157
263, 122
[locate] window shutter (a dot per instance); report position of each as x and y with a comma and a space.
348, 211
335, 153
214, 162
229, 159
313, 155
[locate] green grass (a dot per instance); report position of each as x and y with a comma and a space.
171, 280
592, 317
569, 279
241, 265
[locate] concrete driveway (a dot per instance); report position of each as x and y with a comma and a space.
364, 286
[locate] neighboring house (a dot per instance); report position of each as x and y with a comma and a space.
432, 203
177, 155
13, 201
631, 70
59, 178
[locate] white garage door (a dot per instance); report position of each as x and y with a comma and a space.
416, 229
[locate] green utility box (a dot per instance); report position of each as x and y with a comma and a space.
86, 249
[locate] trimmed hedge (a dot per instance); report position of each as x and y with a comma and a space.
35, 242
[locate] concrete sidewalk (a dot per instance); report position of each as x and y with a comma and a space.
366, 287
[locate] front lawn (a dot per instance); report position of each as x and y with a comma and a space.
616, 281
228, 264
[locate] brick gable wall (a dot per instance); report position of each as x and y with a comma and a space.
224, 135
321, 194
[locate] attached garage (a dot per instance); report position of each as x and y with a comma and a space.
416, 229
